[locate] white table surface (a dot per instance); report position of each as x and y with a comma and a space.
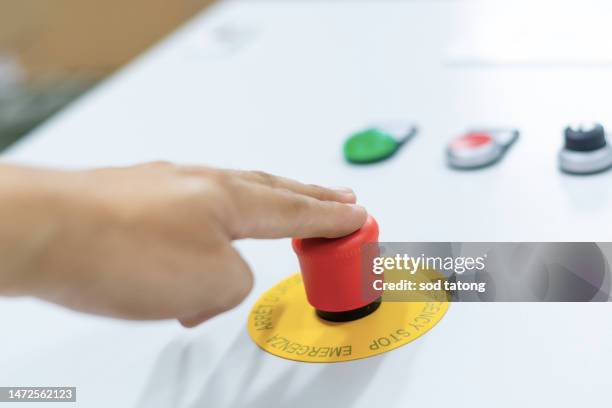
297, 78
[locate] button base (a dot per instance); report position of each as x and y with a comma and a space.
349, 315
584, 163
283, 323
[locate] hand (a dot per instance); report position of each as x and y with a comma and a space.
152, 241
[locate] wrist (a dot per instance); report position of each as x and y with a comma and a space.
30, 221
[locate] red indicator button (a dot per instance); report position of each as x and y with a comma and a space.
471, 140
332, 271
479, 148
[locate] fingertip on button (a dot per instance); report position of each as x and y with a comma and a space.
332, 273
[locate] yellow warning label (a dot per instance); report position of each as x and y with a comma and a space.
284, 324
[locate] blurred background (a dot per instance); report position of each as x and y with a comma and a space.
51, 51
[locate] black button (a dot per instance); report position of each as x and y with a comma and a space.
584, 139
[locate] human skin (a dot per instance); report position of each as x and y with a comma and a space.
151, 241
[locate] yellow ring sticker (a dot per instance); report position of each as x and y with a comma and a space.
284, 324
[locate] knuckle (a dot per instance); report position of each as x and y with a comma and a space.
300, 207
318, 191
220, 180
301, 210
212, 184
264, 178
160, 164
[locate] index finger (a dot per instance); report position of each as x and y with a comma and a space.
265, 212
340, 194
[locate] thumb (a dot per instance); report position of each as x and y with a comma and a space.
237, 282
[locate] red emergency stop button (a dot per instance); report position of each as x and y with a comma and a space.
336, 285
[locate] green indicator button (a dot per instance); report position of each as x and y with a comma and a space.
372, 145
369, 146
